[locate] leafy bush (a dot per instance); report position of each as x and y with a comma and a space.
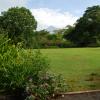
18, 65
24, 73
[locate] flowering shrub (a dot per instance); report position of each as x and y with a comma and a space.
47, 86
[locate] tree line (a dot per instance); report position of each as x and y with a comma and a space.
20, 25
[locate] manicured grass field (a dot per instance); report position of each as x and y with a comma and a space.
79, 66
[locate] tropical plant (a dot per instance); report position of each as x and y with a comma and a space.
18, 65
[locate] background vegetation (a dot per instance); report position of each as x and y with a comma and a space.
20, 26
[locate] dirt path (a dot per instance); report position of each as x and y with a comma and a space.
87, 95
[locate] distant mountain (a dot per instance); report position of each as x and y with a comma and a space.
51, 28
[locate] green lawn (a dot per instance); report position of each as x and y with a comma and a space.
79, 66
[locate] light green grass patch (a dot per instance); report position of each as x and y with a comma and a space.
76, 65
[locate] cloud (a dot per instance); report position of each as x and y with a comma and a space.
5, 4
45, 17
50, 17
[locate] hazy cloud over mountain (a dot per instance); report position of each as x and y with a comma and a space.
49, 17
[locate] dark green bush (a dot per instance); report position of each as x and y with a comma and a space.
57, 44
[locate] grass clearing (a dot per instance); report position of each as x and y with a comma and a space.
79, 66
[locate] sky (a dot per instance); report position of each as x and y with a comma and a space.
56, 13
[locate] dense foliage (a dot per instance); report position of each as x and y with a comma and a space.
20, 26
87, 29
22, 70
19, 23
18, 65
45, 39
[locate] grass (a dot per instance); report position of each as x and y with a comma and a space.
79, 66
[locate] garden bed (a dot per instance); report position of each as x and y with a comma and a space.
85, 95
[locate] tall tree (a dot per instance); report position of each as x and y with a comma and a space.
87, 29
19, 24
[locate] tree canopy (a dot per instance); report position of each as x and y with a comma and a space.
87, 28
19, 23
